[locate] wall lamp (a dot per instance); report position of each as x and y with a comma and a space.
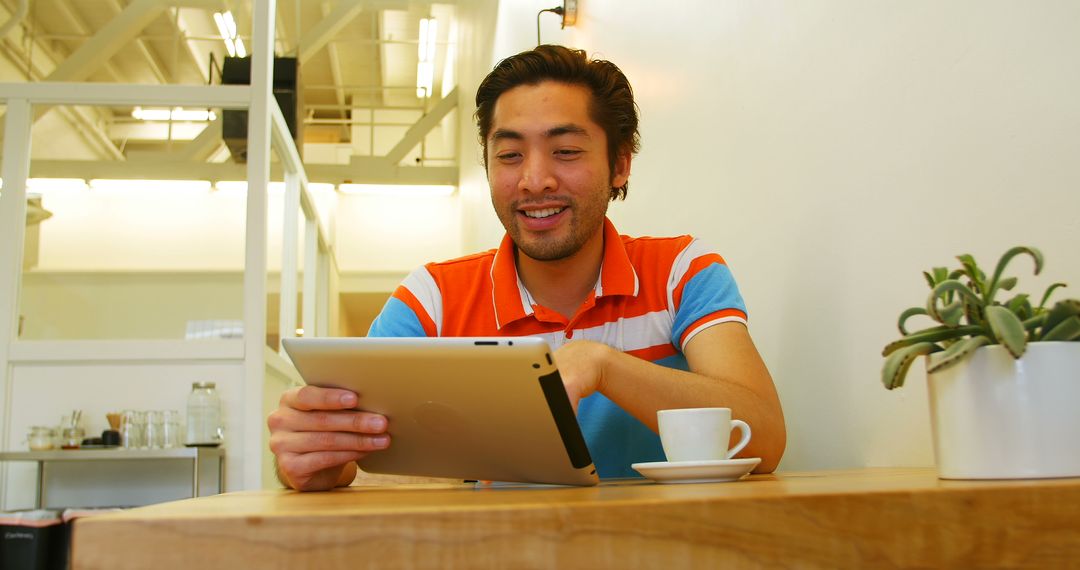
568, 11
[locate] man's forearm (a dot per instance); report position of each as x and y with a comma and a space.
642, 388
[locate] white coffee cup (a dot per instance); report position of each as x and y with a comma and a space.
700, 434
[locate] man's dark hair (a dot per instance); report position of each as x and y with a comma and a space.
611, 105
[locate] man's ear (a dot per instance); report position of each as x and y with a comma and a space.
622, 170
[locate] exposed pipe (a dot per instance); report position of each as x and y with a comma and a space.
16, 18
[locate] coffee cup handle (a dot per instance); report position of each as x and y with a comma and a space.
745, 429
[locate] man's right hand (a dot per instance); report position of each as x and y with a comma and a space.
316, 434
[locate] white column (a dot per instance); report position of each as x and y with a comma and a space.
16, 168
311, 257
262, 68
290, 261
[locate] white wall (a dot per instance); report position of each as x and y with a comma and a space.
831, 151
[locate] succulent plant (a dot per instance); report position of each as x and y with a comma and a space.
965, 305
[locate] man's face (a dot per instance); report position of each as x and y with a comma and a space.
548, 169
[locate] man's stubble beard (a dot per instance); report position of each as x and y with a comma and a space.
585, 219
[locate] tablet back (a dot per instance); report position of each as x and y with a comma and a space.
470, 408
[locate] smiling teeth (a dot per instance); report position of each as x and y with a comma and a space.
543, 213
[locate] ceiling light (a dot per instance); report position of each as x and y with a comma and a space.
43, 185
396, 190
425, 55
231, 186
175, 114
226, 26
153, 185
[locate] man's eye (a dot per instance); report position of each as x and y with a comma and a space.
567, 153
507, 156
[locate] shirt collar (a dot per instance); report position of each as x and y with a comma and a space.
512, 301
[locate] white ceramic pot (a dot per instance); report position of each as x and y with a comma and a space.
994, 417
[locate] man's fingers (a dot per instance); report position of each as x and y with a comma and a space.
289, 419
299, 467
317, 398
308, 442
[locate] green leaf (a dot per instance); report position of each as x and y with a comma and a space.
1032, 323
929, 279
1008, 329
957, 352
973, 310
935, 334
1004, 261
1069, 329
1007, 284
1061, 311
952, 314
944, 288
1020, 306
1049, 291
897, 364
906, 315
971, 269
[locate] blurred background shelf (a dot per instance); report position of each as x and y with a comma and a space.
117, 477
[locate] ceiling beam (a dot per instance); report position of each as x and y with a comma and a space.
204, 145
320, 34
82, 27
120, 31
422, 127
151, 59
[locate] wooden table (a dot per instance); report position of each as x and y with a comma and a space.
874, 518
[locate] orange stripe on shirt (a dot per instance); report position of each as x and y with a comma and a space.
695, 267
710, 317
406, 296
654, 353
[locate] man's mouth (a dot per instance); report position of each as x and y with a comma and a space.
539, 214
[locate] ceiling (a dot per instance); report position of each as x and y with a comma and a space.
354, 56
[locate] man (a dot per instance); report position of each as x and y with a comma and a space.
637, 324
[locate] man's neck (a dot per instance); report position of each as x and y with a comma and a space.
563, 285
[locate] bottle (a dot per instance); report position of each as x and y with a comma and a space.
204, 427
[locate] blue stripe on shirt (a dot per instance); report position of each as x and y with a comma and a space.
396, 319
712, 289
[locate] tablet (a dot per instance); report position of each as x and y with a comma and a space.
472, 408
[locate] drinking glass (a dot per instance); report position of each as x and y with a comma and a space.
131, 429
155, 429
170, 429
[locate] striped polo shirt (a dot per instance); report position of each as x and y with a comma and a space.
653, 295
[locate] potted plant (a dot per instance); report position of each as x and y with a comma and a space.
1004, 378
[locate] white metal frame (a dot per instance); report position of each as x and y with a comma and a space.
266, 129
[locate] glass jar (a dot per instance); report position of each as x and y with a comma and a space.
71, 437
40, 438
204, 426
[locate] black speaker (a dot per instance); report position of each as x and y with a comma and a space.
286, 89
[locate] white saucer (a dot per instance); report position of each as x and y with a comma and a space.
713, 471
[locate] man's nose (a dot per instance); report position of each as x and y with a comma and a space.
536, 175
